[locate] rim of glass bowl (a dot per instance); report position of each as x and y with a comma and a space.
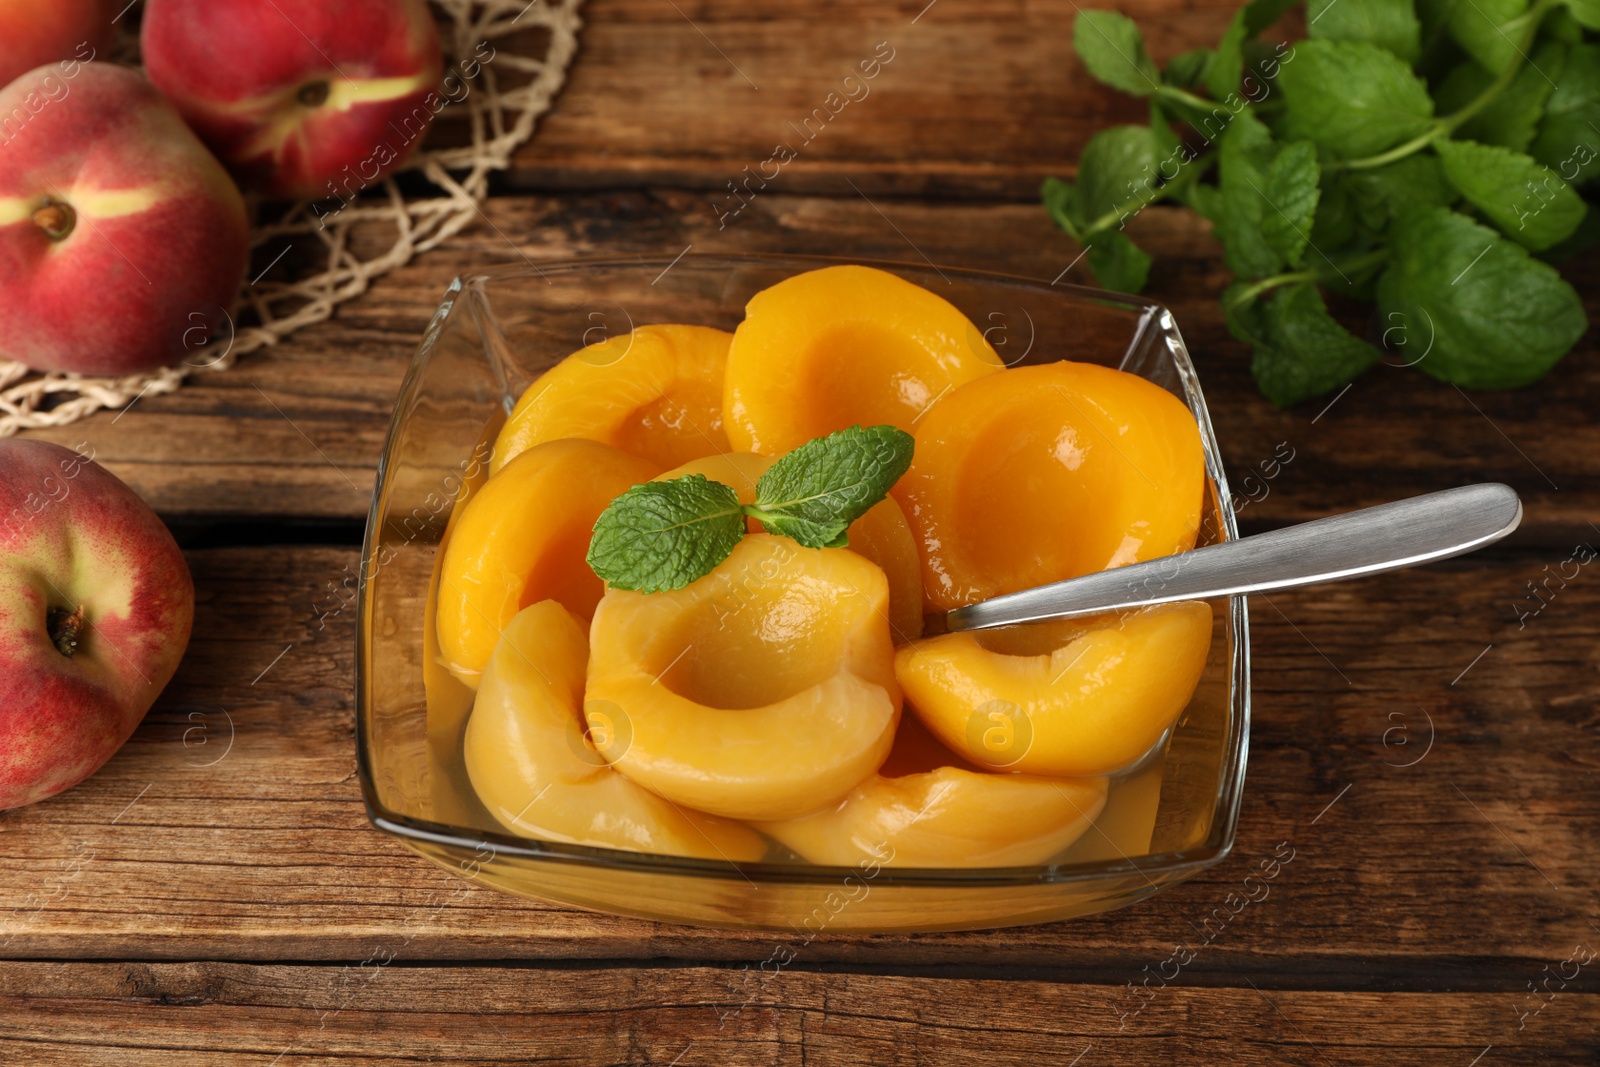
1217, 844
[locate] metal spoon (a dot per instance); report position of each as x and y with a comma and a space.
1406, 533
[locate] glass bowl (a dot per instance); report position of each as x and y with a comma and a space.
1168, 818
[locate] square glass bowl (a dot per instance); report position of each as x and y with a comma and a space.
493, 335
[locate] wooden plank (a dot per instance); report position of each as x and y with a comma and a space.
231, 826
176, 1015
975, 99
296, 431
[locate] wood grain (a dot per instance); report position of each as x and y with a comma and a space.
978, 99
177, 1015
297, 431
231, 826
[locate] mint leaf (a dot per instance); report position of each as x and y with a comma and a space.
1404, 187
1243, 316
1162, 117
1259, 14
1489, 30
1185, 69
1301, 351
1334, 224
1526, 199
1586, 12
1291, 194
1206, 201
1511, 118
1353, 99
807, 532
1390, 24
1568, 141
815, 492
1117, 262
664, 535
1224, 70
1244, 157
1432, 14
1061, 201
1269, 198
1116, 175
1559, 25
1112, 48
1486, 314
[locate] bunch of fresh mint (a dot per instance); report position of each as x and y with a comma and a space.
663, 535
1422, 155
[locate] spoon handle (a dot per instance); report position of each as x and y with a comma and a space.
1405, 533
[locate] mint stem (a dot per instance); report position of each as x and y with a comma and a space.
1172, 92
1356, 263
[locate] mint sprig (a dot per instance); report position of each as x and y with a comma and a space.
1400, 137
663, 535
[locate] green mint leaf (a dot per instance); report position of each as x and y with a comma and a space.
1485, 313
1587, 12
1559, 25
1185, 69
1162, 116
1243, 316
1112, 48
815, 492
1358, 282
1117, 175
1405, 187
1511, 118
1245, 157
1489, 30
1205, 201
1117, 262
1224, 70
1061, 201
1300, 350
1260, 14
1432, 14
1353, 99
1568, 141
1390, 24
1526, 199
1334, 224
664, 535
1291, 193
808, 533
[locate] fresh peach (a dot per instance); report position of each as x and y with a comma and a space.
122, 240
95, 609
301, 98
34, 33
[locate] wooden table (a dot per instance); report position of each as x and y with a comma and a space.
215, 896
